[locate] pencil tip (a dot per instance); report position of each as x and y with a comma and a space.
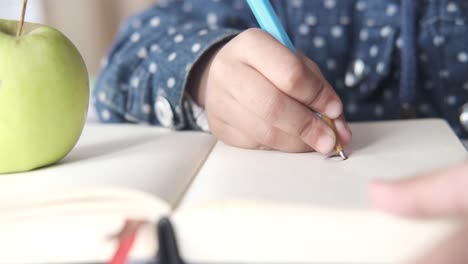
343, 155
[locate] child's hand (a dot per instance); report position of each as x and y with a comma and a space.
439, 193
258, 94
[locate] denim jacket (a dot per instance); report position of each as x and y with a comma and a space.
386, 59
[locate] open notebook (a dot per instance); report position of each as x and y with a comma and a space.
228, 205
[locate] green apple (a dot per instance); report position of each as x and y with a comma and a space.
44, 94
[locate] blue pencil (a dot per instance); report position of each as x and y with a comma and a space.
269, 21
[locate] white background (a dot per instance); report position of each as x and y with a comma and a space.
11, 9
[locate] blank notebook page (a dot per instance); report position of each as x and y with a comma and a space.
150, 159
379, 150
304, 208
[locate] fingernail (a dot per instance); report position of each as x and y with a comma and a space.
326, 143
333, 109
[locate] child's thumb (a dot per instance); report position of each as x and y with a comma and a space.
437, 194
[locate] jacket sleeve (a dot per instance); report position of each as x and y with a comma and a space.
144, 76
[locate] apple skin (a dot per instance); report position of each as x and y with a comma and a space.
44, 96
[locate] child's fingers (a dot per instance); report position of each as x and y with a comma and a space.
287, 72
232, 136
342, 127
261, 131
261, 97
437, 194
452, 250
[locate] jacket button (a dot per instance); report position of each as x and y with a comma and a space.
164, 112
408, 111
355, 74
464, 116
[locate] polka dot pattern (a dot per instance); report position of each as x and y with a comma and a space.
105, 115
196, 47
357, 44
135, 37
171, 82
155, 21
462, 57
179, 38
319, 42
304, 29
142, 53
172, 56
153, 68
